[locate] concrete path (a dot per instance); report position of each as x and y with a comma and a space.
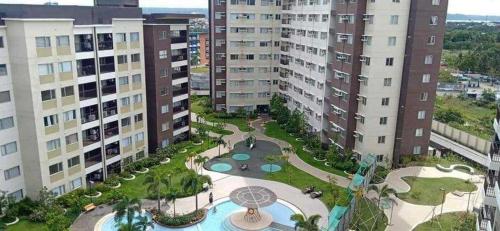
407, 216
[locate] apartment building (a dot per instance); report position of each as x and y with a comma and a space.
198, 45
167, 78
79, 93
363, 72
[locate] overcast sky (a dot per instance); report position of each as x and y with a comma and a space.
479, 7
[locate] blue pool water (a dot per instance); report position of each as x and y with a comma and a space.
269, 168
221, 167
110, 223
215, 221
241, 156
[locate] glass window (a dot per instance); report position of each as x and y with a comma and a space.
135, 58
69, 115
6, 123
122, 59
138, 118
1, 42
67, 91
421, 115
163, 54
428, 59
383, 120
12, 172
163, 72
164, 109
71, 139
48, 95
58, 191
138, 98
42, 42
381, 139
62, 41
125, 101
139, 136
8, 148
126, 142
76, 183
121, 37
17, 195
419, 132
426, 78
123, 80
45, 69
126, 122
53, 144
434, 20
65, 66
55, 168
387, 82
163, 35
134, 37
4, 96
416, 150
392, 41
3, 69
385, 101
136, 78
74, 161
50, 120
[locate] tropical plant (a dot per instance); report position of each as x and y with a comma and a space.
286, 158
220, 141
190, 183
155, 180
306, 224
172, 196
126, 208
271, 160
334, 188
142, 223
200, 161
383, 192
191, 157
4, 203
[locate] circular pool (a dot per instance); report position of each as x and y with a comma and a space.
270, 168
221, 167
241, 156
217, 219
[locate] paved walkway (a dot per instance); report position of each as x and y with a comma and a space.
407, 216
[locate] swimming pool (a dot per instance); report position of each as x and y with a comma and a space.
215, 221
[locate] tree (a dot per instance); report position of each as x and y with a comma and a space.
306, 224
190, 183
172, 196
488, 96
202, 132
200, 160
191, 157
271, 159
448, 116
296, 122
334, 188
446, 77
155, 180
382, 192
4, 203
220, 141
57, 222
286, 157
126, 208
282, 115
142, 224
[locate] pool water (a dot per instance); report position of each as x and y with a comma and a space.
269, 168
110, 224
221, 167
241, 156
216, 221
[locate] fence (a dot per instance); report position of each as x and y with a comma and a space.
461, 137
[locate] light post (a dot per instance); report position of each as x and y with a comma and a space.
468, 201
90, 189
442, 202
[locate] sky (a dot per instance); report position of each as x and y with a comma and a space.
476, 7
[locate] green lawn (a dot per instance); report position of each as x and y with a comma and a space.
368, 217
212, 128
446, 161
275, 131
200, 69
449, 221
478, 120
25, 225
427, 191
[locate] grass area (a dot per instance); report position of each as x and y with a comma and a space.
25, 225
477, 120
427, 191
200, 69
368, 217
430, 161
212, 128
275, 131
198, 108
449, 221
301, 180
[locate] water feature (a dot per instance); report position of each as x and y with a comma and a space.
241, 156
221, 167
270, 168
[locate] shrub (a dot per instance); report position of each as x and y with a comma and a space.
126, 174
195, 138
23, 208
181, 220
101, 188
112, 181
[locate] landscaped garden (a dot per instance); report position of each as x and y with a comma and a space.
446, 161
459, 221
427, 191
219, 128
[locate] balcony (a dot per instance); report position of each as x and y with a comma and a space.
87, 91
111, 129
181, 122
108, 87
93, 157
105, 41
285, 62
489, 184
109, 108
89, 114
285, 35
84, 43
107, 64
485, 218
179, 72
180, 106
180, 89
178, 58
91, 136
112, 150
85, 67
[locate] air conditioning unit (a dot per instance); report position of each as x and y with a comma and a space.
363, 58
362, 78
356, 135
365, 38
357, 117
344, 17
367, 17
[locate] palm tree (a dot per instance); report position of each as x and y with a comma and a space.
154, 181
220, 141
382, 192
271, 159
143, 222
190, 157
190, 183
286, 158
309, 224
200, 160
172, 196
333, 188
126, 208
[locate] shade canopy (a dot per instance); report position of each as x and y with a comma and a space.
253, 197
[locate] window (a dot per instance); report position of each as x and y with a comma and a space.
381, 139
123, 80
126, 122
426, 78
65, 67
139, 136
138, 98
392, 41
12, 172
434, 20
6, 123
163, 35
8, 148
424, 96
4, 96
416, 150
135, 58
76, 183
395, 1
164, 126
62, 41
125, 101
121, 37
55, 168
419, 132
134, 37
380, 158
428, 59
53, 145
45, 69
127, 142
1, 42
431, 40
42, 42
387, 82
57, 191
136, 78
71, 139
122, 59
163, 72
385, 101
67, 91
436, 2
50, 120
383, 120
421, 115
163, 54
394, 19
69, 115
47, 95
74, 161
389, 61
138, 118
164, 109
3, 69
17, 195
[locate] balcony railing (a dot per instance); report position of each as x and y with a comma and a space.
105, 45
181, 74
93, 159
181, 91
87, 94
285, 35
177, 58
109, 111
110, 132
180, 124
90, 136
112, 151
284, 62
106, 68
89, 117
86, 70
180, 108
108, 90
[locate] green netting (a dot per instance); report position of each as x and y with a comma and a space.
357, 180
335, 216
367, 161
333, 225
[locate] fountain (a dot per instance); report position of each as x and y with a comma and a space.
252, 198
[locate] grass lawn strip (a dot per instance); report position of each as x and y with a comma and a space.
427, 191
368, 213
445, 222
212, 128
275, 131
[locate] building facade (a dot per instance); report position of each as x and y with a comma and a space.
80, 92
167, 77
363, 72
198, 46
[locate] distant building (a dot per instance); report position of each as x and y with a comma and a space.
199, 46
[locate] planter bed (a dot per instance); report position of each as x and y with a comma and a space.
128, 179
99, 194
145, 170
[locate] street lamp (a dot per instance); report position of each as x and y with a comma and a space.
442, 201
90, 189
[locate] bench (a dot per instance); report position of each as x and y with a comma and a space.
89, 207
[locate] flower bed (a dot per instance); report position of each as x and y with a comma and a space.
181, 221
